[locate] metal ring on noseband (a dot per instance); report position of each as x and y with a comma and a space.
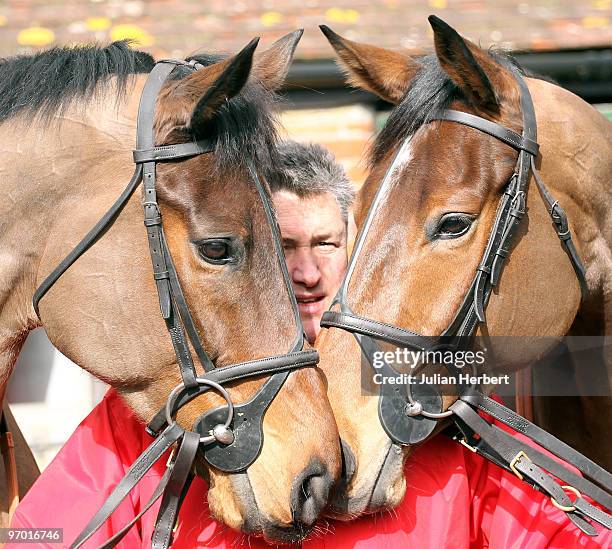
218, 432
415, 408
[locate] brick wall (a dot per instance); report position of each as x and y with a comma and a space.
346, 131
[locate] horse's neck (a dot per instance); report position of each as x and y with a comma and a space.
576, 165
576, 147
51, 170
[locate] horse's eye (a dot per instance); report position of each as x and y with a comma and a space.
216, 251
454, 225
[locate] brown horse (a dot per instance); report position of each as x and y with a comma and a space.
67, 131
432, 224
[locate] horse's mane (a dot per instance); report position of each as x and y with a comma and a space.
430, 92
47, 83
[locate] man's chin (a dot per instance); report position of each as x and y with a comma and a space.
311, 328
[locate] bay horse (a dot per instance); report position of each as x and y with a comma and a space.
433, 220
67, 130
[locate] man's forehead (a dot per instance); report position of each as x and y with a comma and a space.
318, 212
284, 201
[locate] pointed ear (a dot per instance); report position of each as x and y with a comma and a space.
271, 66
469, 67
190, 102
233, 77
384, 72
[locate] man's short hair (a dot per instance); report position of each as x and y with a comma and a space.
308, 169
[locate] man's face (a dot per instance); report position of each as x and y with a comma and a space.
314, 239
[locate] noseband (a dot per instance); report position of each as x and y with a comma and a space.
228, 445
410, 417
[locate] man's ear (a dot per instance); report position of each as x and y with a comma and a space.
468, 66
384, 72
190, 102
271, 66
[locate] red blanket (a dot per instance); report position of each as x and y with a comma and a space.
455, 499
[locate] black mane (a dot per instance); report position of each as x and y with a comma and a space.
431, 91
49, 82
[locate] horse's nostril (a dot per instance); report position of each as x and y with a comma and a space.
310, 493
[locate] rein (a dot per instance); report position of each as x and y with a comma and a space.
228, 446
411, 418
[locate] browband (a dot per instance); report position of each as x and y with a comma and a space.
515, 140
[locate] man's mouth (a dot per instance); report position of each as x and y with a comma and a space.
310, 304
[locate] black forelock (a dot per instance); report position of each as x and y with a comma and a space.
431, 91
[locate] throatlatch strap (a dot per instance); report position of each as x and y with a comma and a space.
561, 224
89, 239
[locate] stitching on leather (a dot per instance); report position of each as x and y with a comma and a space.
377, 323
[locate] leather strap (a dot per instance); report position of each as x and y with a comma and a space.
542, 437
134, 474
506, 135
7, 447
243, 370
89, 239
379, 330
526, 463
183, 308
173, 152
157, 493
561, 225
560, 449
175, 491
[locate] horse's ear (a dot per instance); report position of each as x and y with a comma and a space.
271, 66
386, 73
234, 72
191, 101
470, 68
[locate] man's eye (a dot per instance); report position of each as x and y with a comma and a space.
327, 244
216, 251
454, 225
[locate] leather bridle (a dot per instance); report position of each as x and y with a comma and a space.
410, 417
228, 445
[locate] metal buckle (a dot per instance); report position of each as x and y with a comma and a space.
570, 508
468, 446
515, 460
170, 457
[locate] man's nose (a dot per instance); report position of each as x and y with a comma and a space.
306, 269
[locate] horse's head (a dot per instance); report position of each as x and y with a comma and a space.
223, 248
430, 229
